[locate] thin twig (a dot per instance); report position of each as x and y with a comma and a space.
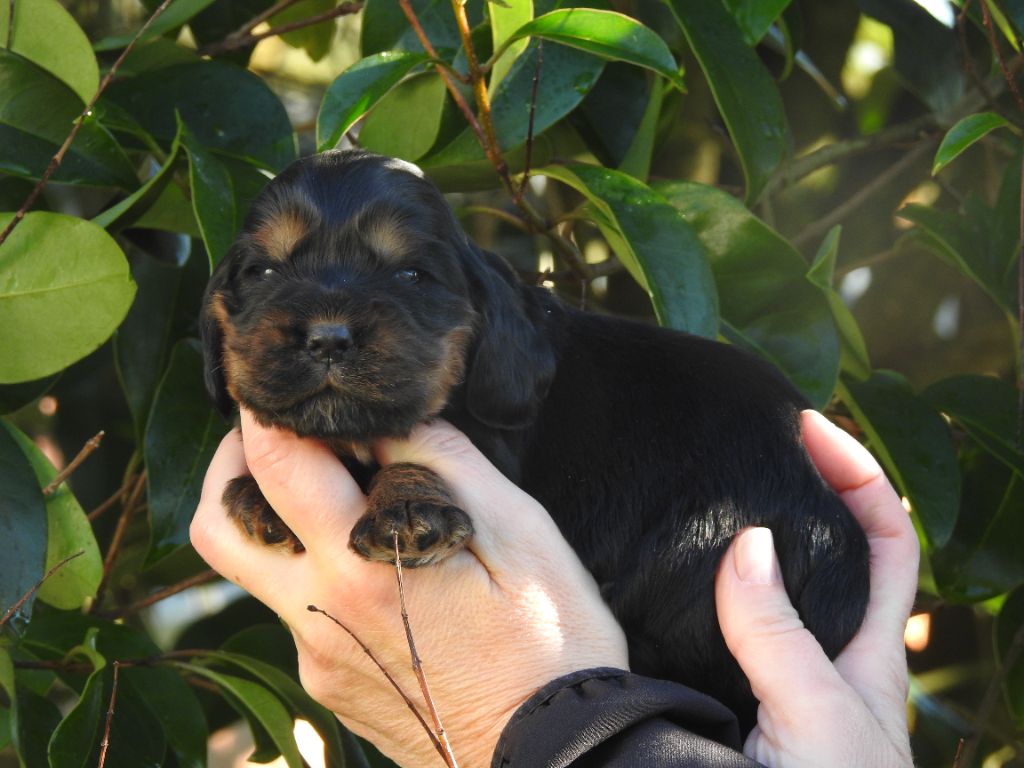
58, 158
247, 41
110, 717
194, 581
387, 675
90, 445
119, 495
117, 539
529, 128
993, 38
959, 754
24, 598
992, 693
817, 230
259, 18
417, 665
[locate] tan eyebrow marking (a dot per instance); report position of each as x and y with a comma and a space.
284, 224
385, 235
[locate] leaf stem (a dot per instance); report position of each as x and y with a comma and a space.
105, 743
91, 445
232, 43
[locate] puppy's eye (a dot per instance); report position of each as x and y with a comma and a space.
408, 275
256, 271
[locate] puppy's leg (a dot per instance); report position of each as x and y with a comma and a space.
415, 503
246, 505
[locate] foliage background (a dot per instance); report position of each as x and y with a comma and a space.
835, 185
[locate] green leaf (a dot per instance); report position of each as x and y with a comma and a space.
853, 351
172, 211
987, 408
984, 556
58, 303
46, 34
637, 160
610, 35
209, 96
913, 443
37, 113
68, 533
1009, 625
767, 302
745, 93
177, 14
569, 75
126, 212
356, 90
22, 520
33, 720
72, 743
388, 130
656, 245
165, 310
962, 135
755, 17
315, 39
170, 702
257, 704
181, 437
385, 28
956, 241
506, 18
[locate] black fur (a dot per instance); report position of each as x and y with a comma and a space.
649, 448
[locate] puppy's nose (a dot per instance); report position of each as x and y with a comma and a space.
328, 342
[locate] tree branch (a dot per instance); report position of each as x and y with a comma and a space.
91, 445
24, 598
119, 532
232, 43
194, 581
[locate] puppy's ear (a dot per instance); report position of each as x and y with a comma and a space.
212, 337
512, 361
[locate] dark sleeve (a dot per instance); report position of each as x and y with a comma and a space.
609, 718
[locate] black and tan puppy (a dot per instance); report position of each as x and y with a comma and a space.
352, 306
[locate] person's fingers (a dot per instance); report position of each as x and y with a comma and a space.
764, 633
304, 481
219, 540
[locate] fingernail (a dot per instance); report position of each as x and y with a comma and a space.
754, 557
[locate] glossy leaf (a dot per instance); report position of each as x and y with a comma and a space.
755, 17
315, 39
46, 34
656, 245
984, 556
1009, 624
987, 408
569, 75
165, 310
913, 443
33, 720
356, 90
965, 133
388, 130
58, 304
177, 14
37, 112
209, 96
68, 533
954, 239
22, 519
745, 93
853, 350
182, 434
767, 303
127, 211
170, 702
385, 27
506, 18
72, 743
259, 705
610, 35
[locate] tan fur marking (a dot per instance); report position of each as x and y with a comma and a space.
385, 235
452, 368
280, 233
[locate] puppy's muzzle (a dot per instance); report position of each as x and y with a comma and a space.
328, 342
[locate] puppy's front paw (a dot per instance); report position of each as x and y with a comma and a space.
413, 502
246, 505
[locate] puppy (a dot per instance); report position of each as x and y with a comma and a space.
352, 306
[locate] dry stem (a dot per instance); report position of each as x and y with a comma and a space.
90, 445
387, 675
119, 532
110, 717
173, 589
24, 598
417, 667
233, 43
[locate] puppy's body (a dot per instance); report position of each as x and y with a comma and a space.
649, 448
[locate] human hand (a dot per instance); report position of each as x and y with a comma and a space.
493, 623
814, 712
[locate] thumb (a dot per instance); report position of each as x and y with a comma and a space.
787, 668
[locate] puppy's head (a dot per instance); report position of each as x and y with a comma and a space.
352, 306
